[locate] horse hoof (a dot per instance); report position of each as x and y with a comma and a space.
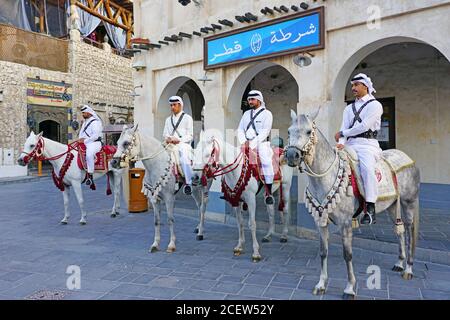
63, 222
196, 230
113, 215
199, 238
266, 239
283, 240
318, 291
348, 296
397, 269
117, 213
170, 250
237, 252
407, 276
256, 258
83, 223
153, 249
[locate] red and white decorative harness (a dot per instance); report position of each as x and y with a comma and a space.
213, 170
38, 151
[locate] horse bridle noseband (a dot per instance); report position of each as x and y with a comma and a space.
306, 149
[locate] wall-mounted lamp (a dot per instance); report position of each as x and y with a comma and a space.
138, 65
304, 5
1, 95
302, 60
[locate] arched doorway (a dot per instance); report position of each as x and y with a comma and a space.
193, 100
280, 91
50, 129
412, 80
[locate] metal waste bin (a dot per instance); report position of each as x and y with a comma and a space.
137, 201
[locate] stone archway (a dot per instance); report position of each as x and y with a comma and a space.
413, 78
279, 88
193, 99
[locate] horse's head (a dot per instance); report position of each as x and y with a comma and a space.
127, 147
32, 149
302, 138
207, 153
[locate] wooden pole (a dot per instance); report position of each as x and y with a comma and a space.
41, 16
39, 168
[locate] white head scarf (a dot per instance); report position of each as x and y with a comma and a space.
87, 109
174, 99
257, 95
365, 80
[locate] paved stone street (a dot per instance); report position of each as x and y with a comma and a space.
36, 250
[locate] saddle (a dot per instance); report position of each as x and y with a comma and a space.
277, 158
392, 162
102, 158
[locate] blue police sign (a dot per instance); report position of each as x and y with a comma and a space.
299, 32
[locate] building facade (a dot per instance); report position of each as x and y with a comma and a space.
402, 45
46, 96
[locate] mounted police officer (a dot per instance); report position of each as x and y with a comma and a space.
254, 130
360, 125
91, 135
179, 130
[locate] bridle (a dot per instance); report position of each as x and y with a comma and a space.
307, 154
38, 152
125, 158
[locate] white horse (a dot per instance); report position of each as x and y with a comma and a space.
160, 181
64, 158
328, 171
210, 144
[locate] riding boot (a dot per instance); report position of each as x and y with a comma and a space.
369, 216
269, 198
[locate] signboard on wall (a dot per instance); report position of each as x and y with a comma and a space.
49, 93
303, 31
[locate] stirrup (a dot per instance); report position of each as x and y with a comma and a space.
269, 200
368, 219
187, 190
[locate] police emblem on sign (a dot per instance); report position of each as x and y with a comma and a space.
256, 43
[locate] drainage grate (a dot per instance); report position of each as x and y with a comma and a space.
47, 295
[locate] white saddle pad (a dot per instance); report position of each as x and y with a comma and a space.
392, 162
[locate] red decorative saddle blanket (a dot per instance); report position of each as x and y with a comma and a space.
277, 153
102, 158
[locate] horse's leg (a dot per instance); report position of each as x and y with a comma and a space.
79, 195
198, 196
321, 285
115, 186
66, 196
347, 235
170, 203
271, 231
251, 202
286, 213
399, 266
409, 209
239, 249
157, 219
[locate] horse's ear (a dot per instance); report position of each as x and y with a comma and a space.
40, 134
315, 114
32, 133
125, 127
135, 127
293, 116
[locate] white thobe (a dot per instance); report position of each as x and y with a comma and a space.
184, 133
258, 139
368, 150
91, 130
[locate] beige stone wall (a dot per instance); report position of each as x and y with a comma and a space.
96, 74
101, 77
